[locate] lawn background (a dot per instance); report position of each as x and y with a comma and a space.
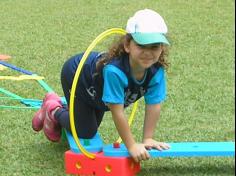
40, 35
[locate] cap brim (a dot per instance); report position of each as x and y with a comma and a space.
149, 38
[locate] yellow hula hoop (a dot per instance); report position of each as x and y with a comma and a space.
75, 81
21, 77
131, 118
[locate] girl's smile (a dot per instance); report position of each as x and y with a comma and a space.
142, 56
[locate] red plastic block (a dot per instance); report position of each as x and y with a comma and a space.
100, 166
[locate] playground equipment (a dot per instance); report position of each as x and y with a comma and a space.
29, 103
114, 159
3, 58
91, 156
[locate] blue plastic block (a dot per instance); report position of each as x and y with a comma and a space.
185, 149
95, 144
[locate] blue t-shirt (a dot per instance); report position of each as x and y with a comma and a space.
115, 81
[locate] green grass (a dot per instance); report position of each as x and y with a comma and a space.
40, 35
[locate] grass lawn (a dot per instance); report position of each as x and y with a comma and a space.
40, 35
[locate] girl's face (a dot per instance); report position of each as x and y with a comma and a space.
142, 56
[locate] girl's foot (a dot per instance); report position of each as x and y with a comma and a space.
51, 126
38, 119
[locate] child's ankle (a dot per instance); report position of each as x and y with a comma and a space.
54, 111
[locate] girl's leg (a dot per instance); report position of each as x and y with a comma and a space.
99, 116
87, 119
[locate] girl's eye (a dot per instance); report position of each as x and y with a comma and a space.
149, 46
140, 46
155, 46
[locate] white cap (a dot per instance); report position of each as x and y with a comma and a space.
147, 27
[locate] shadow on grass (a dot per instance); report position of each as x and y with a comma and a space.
209, 169
49, 155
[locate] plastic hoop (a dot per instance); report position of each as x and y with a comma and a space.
75, 81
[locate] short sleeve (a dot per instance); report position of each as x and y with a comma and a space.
156, 92
115, 82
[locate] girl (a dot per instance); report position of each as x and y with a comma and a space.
133, 67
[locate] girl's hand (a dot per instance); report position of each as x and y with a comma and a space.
138, 152
150, 143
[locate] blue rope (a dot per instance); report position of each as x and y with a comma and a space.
16, 68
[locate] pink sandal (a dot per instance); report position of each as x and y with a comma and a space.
51, 126
38, 119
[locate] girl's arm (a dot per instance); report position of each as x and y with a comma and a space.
121, 124
137, 151
152, 115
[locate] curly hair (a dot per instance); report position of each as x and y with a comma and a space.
117, 50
